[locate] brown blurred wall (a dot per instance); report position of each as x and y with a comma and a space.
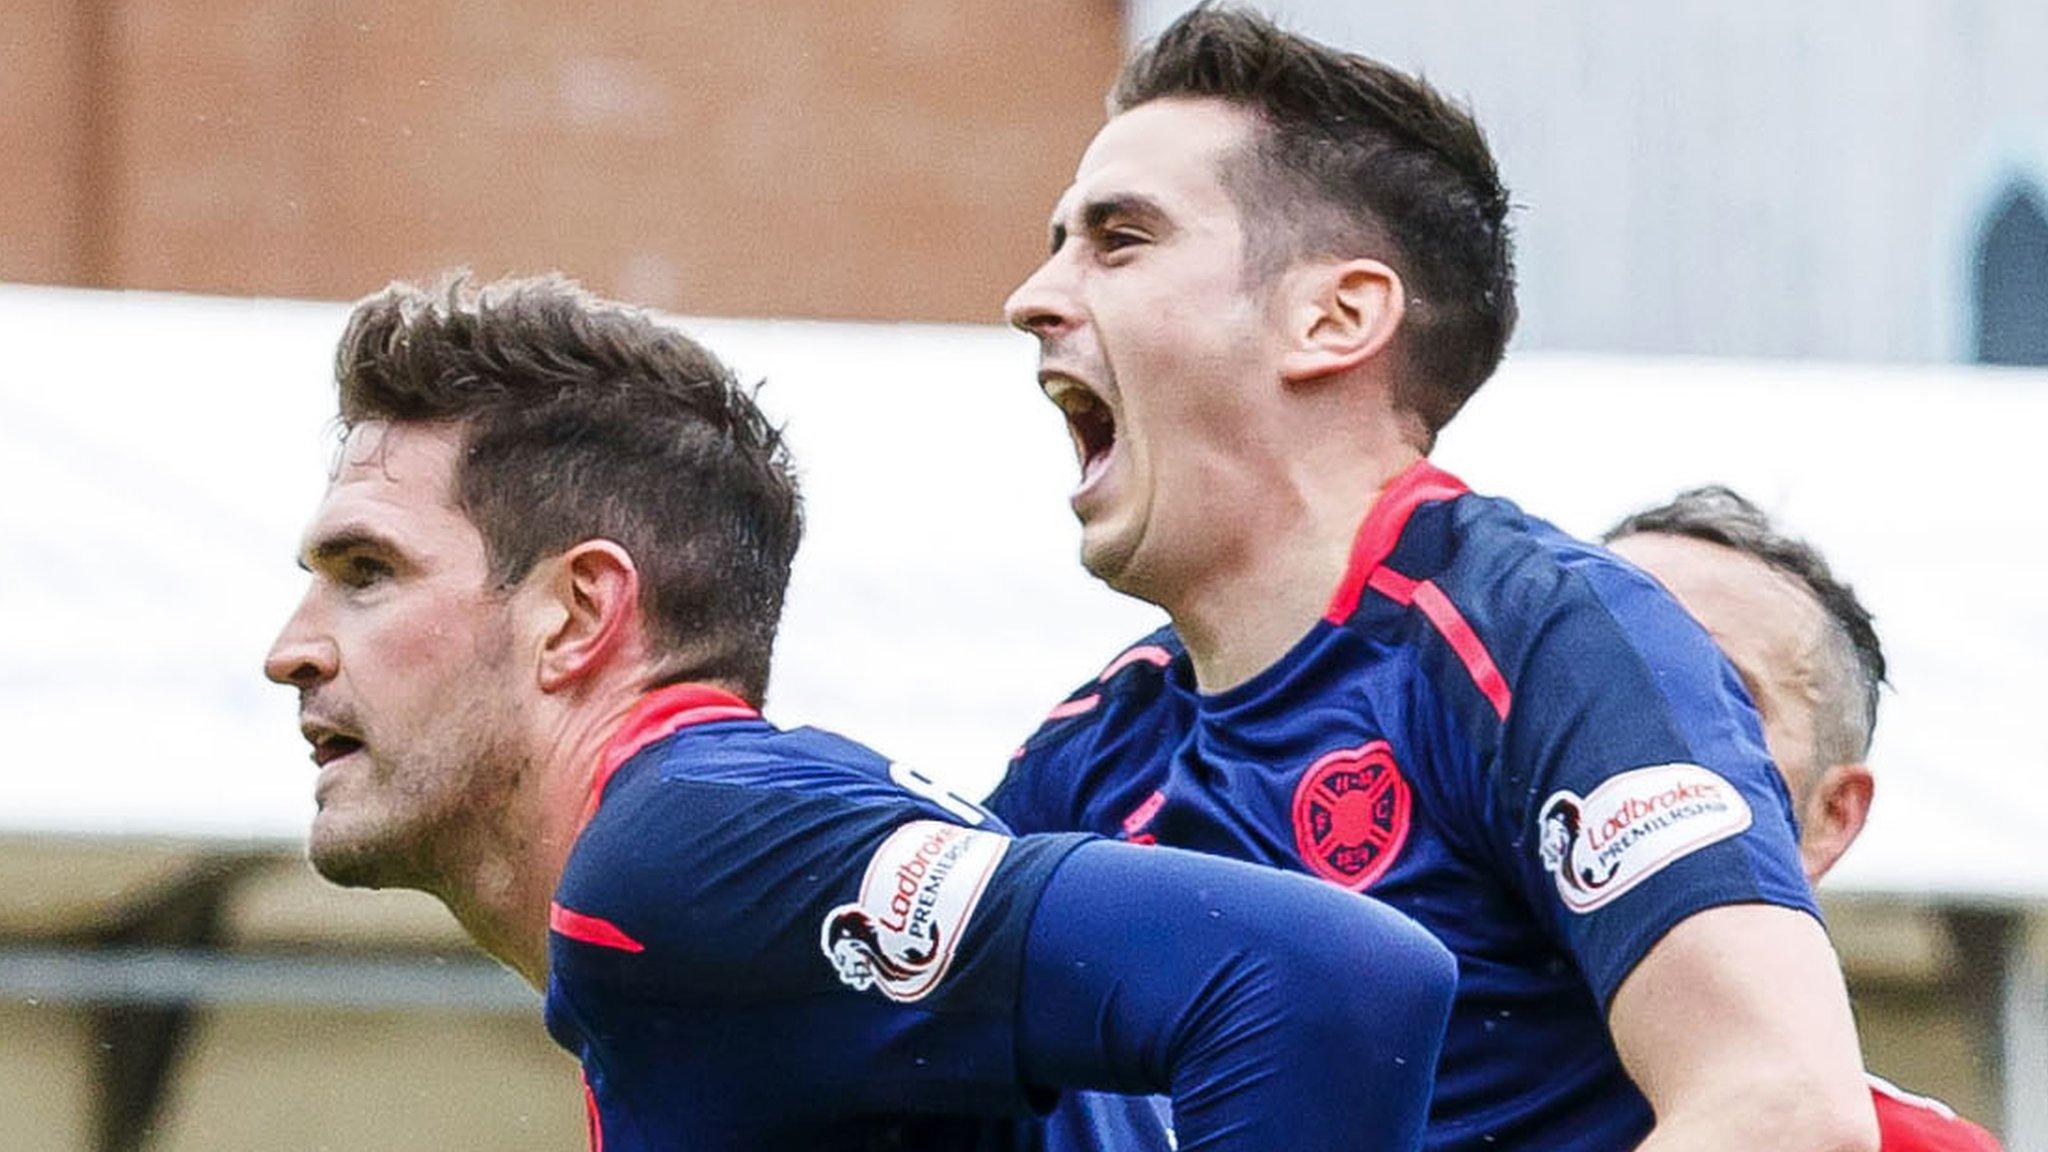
833, 158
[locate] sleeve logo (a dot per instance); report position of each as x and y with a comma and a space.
1601, 845
920, 890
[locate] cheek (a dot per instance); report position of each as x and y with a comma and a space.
417, 663
1788, 737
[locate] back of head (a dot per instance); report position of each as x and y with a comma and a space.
582, 419
1854, 658
1354, 158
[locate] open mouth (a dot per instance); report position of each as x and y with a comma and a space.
329, 747
1090, 423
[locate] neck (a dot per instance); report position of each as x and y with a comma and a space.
1270, 588
501, 894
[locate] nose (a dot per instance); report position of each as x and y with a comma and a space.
1043, 304
302, 656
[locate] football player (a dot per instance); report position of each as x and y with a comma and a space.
545, 580
1278, 272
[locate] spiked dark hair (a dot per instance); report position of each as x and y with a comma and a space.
584, 419
1355, 158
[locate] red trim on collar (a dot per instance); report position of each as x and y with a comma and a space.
1418, 484
662, 712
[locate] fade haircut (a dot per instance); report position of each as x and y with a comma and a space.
1355, 158
1853, 657
582, 419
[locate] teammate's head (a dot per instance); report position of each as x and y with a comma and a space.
536, 492
1801, 641
1261, 217
1349, 157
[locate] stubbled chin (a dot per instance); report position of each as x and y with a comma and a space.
344, 853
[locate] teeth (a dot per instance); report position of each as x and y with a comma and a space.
1066, 390
1090, 421
1072, 397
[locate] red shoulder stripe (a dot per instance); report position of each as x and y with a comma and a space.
1453, 627
1079, 707
1151, 654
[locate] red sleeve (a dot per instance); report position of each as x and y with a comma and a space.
1909, 1123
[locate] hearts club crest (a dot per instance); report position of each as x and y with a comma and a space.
1351, 815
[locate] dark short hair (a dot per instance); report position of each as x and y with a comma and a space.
1719, 515
1356, 158
582, 419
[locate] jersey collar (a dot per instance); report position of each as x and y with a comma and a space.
662, 712
1418, 484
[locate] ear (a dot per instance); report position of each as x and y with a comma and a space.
1339, 316
591, 607
1835, 811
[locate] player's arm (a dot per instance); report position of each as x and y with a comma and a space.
1278, 1012
1736, 1026
1657, 839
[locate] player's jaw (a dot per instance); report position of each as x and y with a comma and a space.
351, 840
408, 790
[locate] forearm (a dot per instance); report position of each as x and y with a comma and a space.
1280, 1013
1757, 1120
1737, 1028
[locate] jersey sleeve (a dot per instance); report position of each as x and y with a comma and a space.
1152, 969
1633, 788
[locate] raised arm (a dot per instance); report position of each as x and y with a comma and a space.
1277, 1011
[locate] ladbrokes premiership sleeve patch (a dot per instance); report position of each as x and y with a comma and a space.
1635, 823
919, 892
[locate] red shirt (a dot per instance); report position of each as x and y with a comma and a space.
1909, 1123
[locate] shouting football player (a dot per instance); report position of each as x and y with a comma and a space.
1278, 272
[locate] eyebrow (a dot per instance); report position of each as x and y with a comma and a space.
342, 542
1096, 214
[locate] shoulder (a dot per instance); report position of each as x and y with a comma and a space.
1133, 706
784, 766
1560, 663
1137, 679
749, 798
1523, 610
1520, 579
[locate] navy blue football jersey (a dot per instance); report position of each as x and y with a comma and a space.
769, 939
1512, 736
